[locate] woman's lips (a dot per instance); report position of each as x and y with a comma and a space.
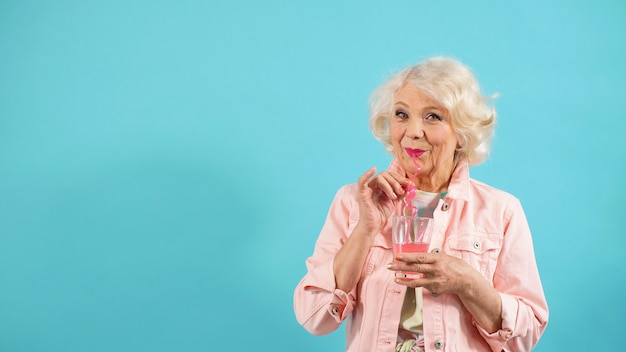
414, 153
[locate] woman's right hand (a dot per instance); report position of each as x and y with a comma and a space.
379, 196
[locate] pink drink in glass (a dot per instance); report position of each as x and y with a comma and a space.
411, 234
420, 247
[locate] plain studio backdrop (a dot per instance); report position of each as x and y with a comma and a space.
166, 166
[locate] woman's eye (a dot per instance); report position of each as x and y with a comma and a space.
433, 117
401, 114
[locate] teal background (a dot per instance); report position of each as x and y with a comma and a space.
166, 166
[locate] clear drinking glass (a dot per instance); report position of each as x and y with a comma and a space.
410, 234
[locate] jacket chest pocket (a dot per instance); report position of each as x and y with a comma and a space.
479, 250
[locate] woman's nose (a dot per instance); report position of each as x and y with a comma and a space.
415, 128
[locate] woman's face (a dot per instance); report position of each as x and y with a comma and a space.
421, 127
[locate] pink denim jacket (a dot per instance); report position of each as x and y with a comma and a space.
482, 225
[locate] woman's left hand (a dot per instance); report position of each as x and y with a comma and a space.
442, 273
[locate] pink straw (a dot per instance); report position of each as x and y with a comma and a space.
411, 191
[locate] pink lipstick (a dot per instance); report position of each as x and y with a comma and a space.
414, 153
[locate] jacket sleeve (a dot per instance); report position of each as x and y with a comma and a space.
524, 306
319, 306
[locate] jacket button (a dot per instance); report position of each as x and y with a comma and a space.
476, 245
445, 206
335, 310
438, 344
436, 250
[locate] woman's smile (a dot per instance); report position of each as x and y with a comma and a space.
414, 152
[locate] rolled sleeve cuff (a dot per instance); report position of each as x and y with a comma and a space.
340, 304
497, 340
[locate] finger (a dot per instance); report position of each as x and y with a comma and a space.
366, 176
387, 184
397, 182
410, 282
417, 257
411, 267
403, 180
426, 269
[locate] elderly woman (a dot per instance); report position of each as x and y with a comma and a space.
480, 289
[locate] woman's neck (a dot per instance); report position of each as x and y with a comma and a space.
436, 181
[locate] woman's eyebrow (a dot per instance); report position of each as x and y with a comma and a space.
428, 107
401, 103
